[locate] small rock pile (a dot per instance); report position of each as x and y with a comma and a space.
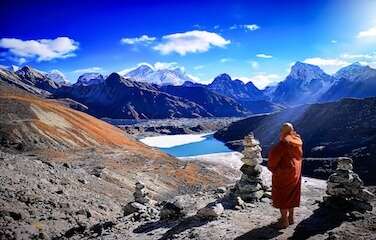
141, 207
345, 188
172, 210
250, 187
140, 194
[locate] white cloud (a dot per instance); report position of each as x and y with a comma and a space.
262, 80
370, 56
225, 60
333, 41
88, 70
41, 49
251, 27
371, 32
247, 27
198, 67
262, 55
166, 65
254, 65
194, 78
190, 42
329, 65
145, 39
21, 60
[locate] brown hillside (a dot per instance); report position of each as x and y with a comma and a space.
52, 132
37, 123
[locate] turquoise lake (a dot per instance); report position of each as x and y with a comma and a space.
207, 146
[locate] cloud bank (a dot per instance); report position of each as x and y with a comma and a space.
41, 49
190, 42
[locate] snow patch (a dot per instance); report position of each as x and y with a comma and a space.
167, 141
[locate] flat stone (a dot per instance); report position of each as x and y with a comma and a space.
171, 211
365, 195
251, 161
344, 163
221, 190
133, 207
211, 211
251, 171
140, 193
252, 196
140, 185
142, 200
248, 188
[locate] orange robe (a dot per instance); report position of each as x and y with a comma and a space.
285, 163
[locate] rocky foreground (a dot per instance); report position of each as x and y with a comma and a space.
44, 200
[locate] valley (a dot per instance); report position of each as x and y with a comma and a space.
154, 127
71, 154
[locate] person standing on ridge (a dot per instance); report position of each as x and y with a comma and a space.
285, 163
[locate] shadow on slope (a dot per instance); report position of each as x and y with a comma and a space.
321, 221
176, 227
264, 232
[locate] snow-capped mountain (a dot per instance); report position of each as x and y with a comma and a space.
355, 80
29, 72
236, 89
35, 78
88, 79
11, 68
306, 83
146, 73
306, 72
356, 72
57, 76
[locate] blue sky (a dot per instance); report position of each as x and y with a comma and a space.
252, 40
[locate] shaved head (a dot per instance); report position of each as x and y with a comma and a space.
287, 128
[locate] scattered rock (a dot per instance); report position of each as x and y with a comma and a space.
221, 190
133, 207
81, 180
211, 211
171, 210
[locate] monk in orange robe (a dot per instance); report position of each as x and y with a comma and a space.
285, 163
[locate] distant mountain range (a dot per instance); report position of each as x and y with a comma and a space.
146, 73
146, 92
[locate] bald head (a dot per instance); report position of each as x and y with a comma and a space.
287, 128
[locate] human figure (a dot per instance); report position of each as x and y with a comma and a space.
285, 163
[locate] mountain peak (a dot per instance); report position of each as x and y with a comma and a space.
306, 71
145, 68
223, 77
92, 78
30, 72
166, 76
356, 71
57, 76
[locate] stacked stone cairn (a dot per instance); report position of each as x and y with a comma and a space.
345, 188
141, 207
250, 187
140, 194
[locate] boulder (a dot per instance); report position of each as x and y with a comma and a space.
171, 211
211, 211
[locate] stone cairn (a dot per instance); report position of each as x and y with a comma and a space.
250, 187
141, 207
345, 188
140, 194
